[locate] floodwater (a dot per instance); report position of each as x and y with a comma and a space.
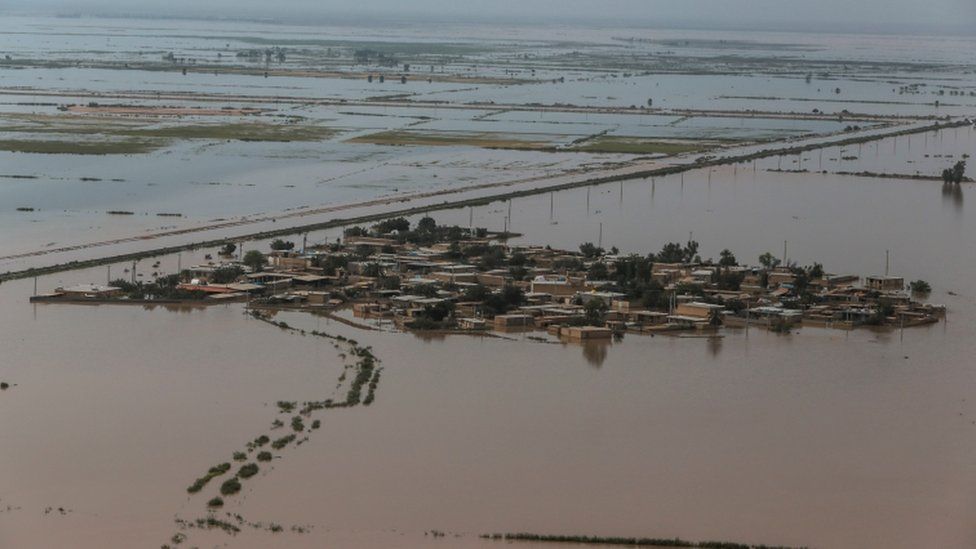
823, 438
208, 180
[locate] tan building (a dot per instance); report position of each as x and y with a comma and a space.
885, 283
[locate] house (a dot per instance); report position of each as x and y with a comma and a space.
557, 287
472, 324
697, 310
885, 283
606, 297
89, 291
512, 321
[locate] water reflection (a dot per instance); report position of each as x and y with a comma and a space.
952, 192
715, 346
595, 352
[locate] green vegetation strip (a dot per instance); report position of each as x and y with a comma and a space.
633, 542
78, 147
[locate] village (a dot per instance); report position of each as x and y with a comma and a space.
452, 279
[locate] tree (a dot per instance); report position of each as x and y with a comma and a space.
727, 259
598, 271
373, 269
398, 224
920, 287
671, 253
427, 225
228, 249
255, 260
476, 293
768, 261
226, 275
508, 298
282, 245
595, 312
959, 172
691, 252
715, 318
518, 272
590, 250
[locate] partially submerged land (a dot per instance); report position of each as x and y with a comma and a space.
452, 279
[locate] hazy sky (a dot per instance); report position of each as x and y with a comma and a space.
847, 15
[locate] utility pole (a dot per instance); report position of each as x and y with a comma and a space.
551, 206
599, 241
886, 263
784, 254
179, 263
108, 276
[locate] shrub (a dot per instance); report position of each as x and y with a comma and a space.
248, 471
264, 456
215, 502
230, 487
282, 442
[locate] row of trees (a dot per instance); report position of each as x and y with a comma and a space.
955, 174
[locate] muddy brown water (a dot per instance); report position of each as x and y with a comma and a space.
824, 438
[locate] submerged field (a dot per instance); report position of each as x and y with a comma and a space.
86, 135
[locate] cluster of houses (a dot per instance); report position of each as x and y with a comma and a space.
384, 278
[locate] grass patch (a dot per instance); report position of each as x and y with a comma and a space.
242, 131
637, 145
455, 139
78, 147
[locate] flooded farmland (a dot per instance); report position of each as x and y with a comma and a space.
818, 438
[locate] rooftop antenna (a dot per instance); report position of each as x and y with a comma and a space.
304, 242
